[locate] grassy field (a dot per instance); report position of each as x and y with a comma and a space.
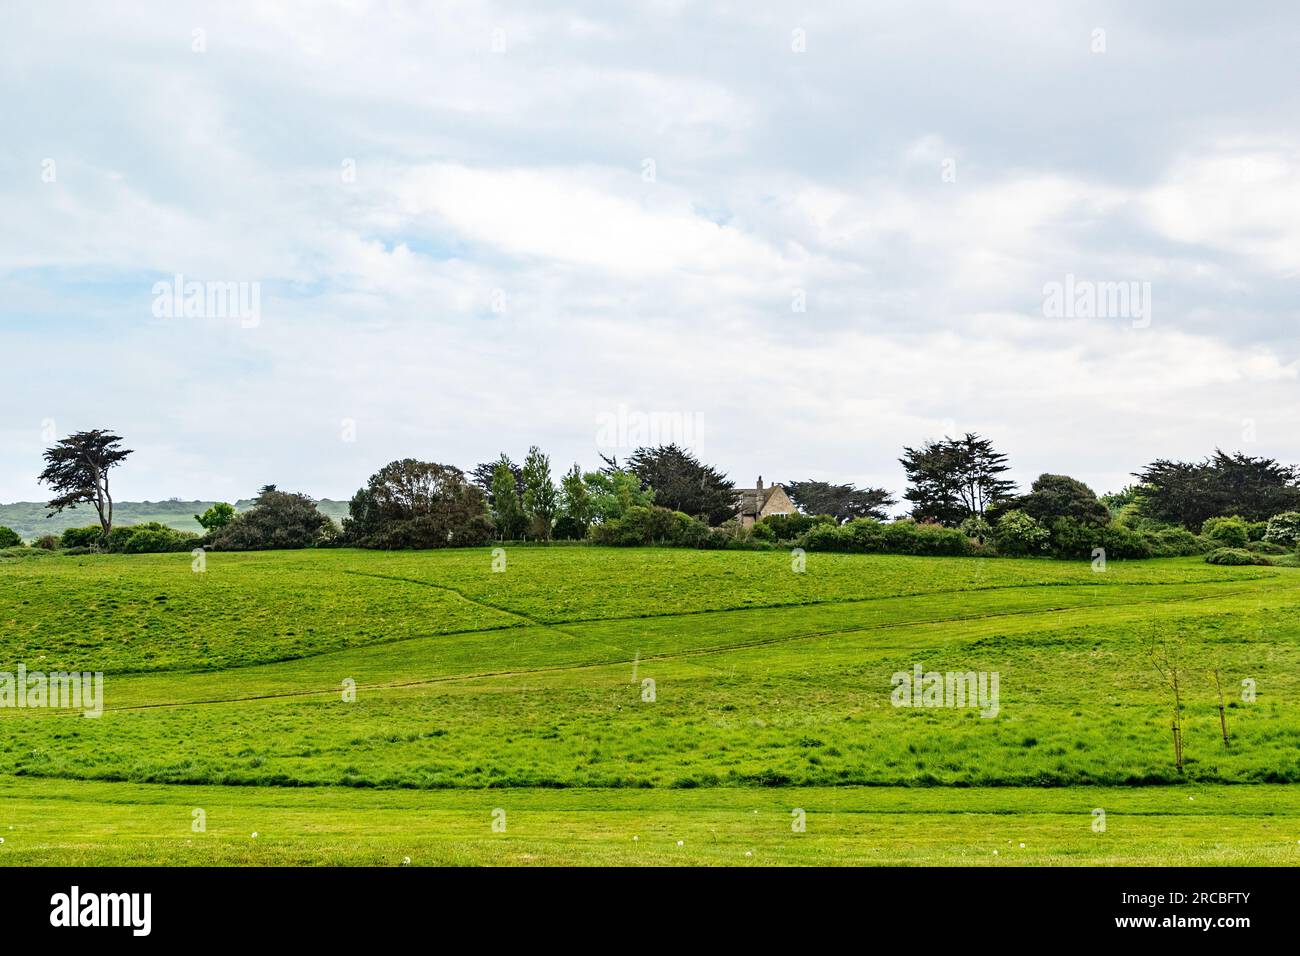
520, 697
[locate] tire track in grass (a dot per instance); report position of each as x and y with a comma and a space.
670, 656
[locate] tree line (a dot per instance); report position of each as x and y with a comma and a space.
665, 494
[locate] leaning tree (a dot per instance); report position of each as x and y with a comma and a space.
76, 469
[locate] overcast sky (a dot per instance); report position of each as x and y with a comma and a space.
795, 237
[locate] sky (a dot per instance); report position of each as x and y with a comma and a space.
793, 237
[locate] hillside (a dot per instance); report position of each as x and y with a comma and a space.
612, 702
29, 519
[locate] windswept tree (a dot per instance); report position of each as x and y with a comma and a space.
1189, 493
683, 483
507, 503
540, 497
955, 479
842, 502
77, 470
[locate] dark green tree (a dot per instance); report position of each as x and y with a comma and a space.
955, 479
1189, 493
77, 469
417, 504
276, 520
681, 482
842, 502
1059, 496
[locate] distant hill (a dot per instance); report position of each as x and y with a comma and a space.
28, 517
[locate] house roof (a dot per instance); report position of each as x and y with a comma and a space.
750, 501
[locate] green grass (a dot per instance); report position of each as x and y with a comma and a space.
523, 690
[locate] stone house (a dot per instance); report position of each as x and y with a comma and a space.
759, 502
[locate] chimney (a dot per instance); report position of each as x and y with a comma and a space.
760, 482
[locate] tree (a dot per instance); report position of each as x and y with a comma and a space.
417, 504
613, 491
842, 502
575, 506
277, 519
955, 479
77, 468
681, 482
1253, 488
483, 473
216, 517
1059, 496
540, 496
507, 508
1189, 493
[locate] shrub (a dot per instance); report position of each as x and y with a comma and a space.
1284, 529
825, 537
1019, 534
277, 519
1266, 547
155, 538
1173, 542
9, 538
1227, 532
788, 527
1235, 557
1073, 539
88, 537
867, 536
643, 525
1256, 530
47, 542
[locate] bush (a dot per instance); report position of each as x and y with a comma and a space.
644, 525
1019, 534
47, 542
1173, 542
788, 527
1235, 557
277, 519
1227, 532
9, 538
1073, 539
1284, 529
155, 538
869, 536
88, 537
1266, 547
